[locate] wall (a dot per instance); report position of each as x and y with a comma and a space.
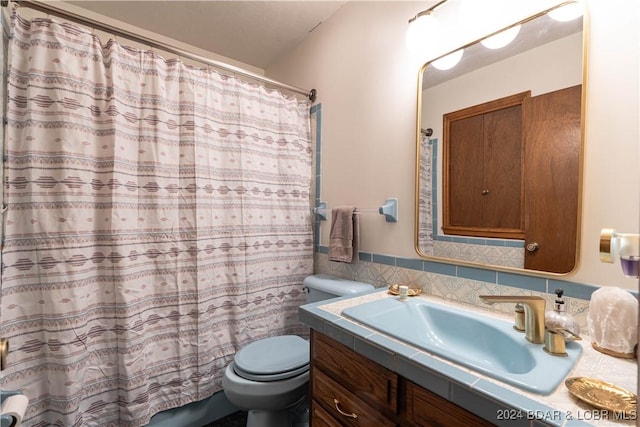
504, 78
367, 85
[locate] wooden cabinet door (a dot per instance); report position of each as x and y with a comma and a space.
366, 379
552, 134
466, 172
482, 169
502, 192
341, 404
427, 409
321, 418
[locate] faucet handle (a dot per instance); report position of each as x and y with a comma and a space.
555, 341
568, 334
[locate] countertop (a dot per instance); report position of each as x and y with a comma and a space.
496, 401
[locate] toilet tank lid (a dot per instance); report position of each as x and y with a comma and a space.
335, 285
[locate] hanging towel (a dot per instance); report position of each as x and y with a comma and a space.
344, 235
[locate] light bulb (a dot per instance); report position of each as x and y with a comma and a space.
449, 61
501, 39
422, 33
568, 12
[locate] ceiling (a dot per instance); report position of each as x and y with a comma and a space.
253, 32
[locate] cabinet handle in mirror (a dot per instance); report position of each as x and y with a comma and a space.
532, 247
346, 414
485, 192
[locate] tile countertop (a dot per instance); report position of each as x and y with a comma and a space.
494, 400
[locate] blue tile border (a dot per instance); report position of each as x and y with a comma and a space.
316, 110
384, 259
365, 256
530, 283
521, 281
440, 268
411, 264
574, 290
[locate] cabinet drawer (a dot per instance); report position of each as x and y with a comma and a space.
343, 406
321, 418
365, 379
425, 408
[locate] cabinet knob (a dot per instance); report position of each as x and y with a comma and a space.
532, 247
346, 414
485, 192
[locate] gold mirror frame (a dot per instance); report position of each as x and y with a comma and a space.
419, 126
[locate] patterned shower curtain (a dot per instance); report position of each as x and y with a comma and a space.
425, 195
158, 219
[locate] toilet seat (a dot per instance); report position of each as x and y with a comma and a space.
273, 359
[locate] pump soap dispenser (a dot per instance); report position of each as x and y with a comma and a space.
559, 327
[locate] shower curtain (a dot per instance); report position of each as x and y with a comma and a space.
426, 209
158, 219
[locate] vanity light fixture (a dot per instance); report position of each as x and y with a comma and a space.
449, 61
501, 39
568, 12
423, 28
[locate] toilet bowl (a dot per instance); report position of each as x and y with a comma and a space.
268, 378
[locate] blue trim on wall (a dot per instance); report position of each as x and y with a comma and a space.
316, 110
515, 280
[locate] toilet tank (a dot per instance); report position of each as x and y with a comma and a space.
323, 286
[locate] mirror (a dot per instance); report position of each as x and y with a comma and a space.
545, 57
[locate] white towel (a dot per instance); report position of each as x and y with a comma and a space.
344, 235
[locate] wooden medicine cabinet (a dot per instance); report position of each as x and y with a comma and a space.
511, 171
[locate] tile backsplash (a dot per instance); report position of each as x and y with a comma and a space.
457, 283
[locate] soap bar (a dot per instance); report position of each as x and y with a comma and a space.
613, 321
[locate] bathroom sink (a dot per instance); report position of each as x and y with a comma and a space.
483, 343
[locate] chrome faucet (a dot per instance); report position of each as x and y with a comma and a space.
534, 308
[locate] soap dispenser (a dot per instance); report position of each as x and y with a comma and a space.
559, 319
559, 327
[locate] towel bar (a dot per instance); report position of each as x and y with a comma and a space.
389, 209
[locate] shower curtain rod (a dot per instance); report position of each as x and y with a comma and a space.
54, 10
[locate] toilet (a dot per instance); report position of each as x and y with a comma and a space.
269, 378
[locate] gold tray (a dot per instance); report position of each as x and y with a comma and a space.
395, 290
603, 395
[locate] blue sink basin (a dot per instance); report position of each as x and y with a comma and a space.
483, 343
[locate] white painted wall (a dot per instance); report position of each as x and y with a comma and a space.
367, 84
523, 72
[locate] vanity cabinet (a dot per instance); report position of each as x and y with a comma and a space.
348, 389
354, 390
